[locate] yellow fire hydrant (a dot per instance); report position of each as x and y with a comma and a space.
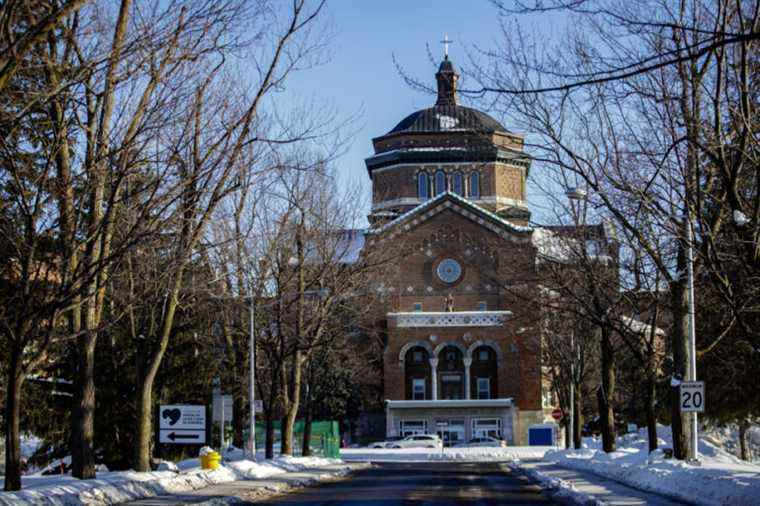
211, 460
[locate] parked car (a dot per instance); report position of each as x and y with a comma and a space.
476, 442
384, 444
418, 441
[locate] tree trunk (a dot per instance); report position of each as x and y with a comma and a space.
289, 420
238, 419
83, 414
568, 433
12, 427
578, 418
306, 446
651, 398
606, 393
679, 343
746, 453
269, 443
239, 400
144, 424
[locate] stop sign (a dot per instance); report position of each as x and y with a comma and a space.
557, 414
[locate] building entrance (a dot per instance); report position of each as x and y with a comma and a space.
452, 432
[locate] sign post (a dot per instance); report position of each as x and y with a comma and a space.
222, 412
441, 425
182, 424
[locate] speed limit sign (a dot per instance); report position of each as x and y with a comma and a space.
692, 397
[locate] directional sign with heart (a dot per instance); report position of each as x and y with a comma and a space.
182, 424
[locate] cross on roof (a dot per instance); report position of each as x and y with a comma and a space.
446, 41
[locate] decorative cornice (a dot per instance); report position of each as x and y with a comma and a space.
424, 155
450, 319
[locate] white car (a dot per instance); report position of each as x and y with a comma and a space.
476, 442
418, 441
385, 444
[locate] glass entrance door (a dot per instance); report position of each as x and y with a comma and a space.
451, 433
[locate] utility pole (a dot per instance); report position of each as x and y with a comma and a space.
252, 379
693, 453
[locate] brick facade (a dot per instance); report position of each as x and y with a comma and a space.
485, 236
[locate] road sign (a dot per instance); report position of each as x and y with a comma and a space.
182, 424
442, 424
692, 397
183, 437
557, 414
258, 406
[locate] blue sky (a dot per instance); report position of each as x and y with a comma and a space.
361, 75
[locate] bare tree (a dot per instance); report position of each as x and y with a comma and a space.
632, 104
208, 155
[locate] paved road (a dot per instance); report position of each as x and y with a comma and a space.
422, 484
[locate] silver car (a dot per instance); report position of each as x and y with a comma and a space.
418, 441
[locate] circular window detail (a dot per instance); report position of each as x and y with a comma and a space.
449, 271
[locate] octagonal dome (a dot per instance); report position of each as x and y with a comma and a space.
448, 118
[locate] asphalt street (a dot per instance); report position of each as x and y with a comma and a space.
421, 484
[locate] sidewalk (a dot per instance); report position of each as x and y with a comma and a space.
580, 487
246, 490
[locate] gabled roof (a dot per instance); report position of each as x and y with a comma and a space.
457, 203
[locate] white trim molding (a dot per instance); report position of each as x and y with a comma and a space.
419, 319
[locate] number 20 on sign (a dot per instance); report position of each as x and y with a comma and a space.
692, 397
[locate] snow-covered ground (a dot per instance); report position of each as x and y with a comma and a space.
114, 487
727, 438
720, 479
459, 454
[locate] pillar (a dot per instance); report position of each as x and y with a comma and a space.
467, 363
434, 378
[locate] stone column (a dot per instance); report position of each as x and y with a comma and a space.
434, 378
467, 364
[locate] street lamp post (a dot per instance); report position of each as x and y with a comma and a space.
579, 195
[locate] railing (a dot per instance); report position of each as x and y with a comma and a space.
451, 319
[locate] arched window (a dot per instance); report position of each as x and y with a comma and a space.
417, 374
475, 184
423, 185
440, 182
457, 183
451, 373
483, 374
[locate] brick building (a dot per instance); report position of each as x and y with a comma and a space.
463, 350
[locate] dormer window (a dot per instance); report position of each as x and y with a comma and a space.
423, 185
440, 182
457, 183
474, 181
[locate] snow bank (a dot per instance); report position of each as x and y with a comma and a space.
720, 479
115, 487
727, 438
482, 454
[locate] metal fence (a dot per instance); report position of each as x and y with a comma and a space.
324, 440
